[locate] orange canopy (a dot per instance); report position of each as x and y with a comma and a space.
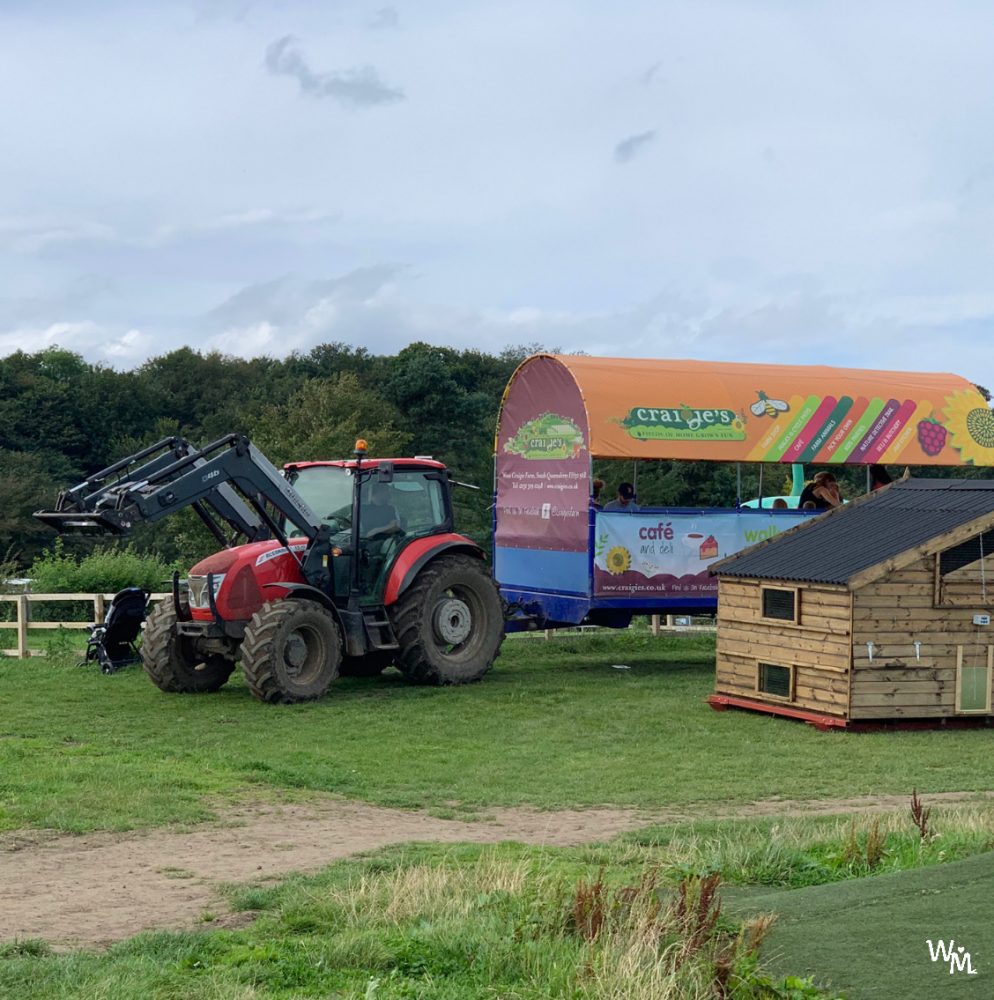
720, 411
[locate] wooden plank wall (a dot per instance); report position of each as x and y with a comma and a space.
892, 614
818, 647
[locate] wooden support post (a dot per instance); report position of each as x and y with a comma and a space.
99, 609
23, 615
548, 633
655, 626
669, 621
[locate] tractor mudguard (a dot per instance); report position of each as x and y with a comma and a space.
421, 551
305, 590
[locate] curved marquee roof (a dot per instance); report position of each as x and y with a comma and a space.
721, 411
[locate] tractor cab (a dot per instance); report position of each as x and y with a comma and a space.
404, 500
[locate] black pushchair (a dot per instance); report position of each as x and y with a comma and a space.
112, 643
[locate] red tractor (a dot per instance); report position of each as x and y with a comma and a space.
344, 567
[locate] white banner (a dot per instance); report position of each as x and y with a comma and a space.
668, 555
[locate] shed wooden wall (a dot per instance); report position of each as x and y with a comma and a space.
819, 647
892, 614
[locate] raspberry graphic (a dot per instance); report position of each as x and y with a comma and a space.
931, 436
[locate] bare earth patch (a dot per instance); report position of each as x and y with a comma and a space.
93, 890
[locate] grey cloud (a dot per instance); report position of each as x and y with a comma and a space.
385, 17
631, 147
251, 218
79, 296
357, 87
30, 235
290, 304
648, 75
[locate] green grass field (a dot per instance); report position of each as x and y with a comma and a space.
554, 725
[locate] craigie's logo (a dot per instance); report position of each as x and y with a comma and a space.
548, 436
684, 423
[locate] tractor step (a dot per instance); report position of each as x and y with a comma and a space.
379, 630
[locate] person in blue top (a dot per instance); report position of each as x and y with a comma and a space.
625, 499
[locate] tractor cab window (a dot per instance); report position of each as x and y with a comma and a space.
411, 505
327, 490
393, 513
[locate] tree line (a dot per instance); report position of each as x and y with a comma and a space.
63, 418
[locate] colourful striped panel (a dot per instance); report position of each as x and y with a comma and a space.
811, 429
831, 446
835, 418
758, 453
859, 430
887, 416
904, 437
800, 420
901, 418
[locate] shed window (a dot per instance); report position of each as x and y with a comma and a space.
974, 666
780, 604
775, 680
965, 576
971, 551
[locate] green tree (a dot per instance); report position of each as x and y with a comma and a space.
27, 484
323, 419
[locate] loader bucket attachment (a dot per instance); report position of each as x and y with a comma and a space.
84, 522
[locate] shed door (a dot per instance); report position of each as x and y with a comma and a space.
974, 665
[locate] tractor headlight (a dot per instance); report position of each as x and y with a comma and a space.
198, 590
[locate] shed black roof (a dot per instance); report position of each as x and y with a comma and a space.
834, 547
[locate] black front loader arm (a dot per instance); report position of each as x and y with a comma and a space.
100, 501
230, 476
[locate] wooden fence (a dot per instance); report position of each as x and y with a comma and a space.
23, 625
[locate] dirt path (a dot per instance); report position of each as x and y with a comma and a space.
90, 891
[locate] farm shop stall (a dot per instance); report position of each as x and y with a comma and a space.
879, 610
560, 560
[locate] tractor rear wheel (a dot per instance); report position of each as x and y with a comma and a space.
171, 660
449, 622
292, 651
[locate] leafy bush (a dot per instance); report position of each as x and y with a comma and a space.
105, 570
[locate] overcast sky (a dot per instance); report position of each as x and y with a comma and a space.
751, 180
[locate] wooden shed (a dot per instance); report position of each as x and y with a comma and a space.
876, 611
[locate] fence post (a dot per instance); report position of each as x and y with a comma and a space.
669, 621
655, 626
22, 627
99, 611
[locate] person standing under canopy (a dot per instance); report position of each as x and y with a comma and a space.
822, 491
625, 499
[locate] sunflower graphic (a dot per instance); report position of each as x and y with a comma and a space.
619, 560
971, 427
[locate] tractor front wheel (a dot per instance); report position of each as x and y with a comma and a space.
292, 651
449, 622
171, 660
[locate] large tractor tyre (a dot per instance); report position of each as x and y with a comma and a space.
171, 660
366, 666
449, 622
292, 651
